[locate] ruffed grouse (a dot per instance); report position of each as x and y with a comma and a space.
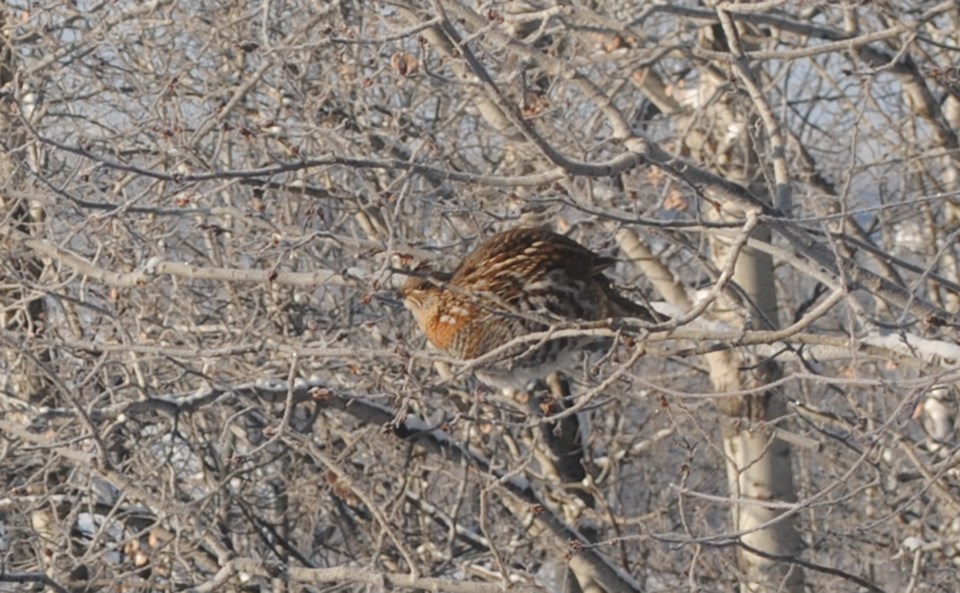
515, 283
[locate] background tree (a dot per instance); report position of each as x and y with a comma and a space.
210, 385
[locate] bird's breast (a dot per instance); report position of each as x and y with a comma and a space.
446, 324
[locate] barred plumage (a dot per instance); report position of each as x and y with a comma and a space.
515, 283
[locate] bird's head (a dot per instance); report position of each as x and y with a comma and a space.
422, 290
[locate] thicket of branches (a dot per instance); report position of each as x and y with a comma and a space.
209, 384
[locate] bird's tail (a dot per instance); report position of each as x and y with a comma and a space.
624, 307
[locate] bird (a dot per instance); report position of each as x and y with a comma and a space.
514, 283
